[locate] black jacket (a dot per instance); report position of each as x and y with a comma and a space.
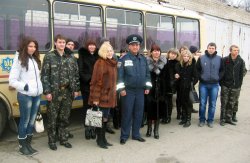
187, 75
86, 62
169, 72
234, 71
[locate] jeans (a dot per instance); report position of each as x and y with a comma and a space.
208, 92
28, 106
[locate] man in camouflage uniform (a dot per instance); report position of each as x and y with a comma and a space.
60, 87
234, 71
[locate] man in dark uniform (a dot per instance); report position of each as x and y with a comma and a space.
60, 85
133, 82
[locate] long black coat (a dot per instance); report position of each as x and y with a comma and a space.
157, 80
86, 62
187, 75
169, 72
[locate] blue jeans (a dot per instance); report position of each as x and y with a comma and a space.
208, 92
28, 106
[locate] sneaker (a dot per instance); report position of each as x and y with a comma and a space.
201, 124
210, 124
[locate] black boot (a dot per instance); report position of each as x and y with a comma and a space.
104, 135
178, 108
23, 149
178, 116
222, 117
99, 140
156, 129
149, 131
32, 150
234, 118
188, 120
109, 130
92, 133
187, 124
183, 118
87, 132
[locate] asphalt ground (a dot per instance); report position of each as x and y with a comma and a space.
228, 144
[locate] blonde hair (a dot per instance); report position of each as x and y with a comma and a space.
103, 51
190, 57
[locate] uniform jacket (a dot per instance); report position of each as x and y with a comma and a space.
103, 83
234, 72
86, 63
58, 71
157, 78
133, 72
210, 68
19, 77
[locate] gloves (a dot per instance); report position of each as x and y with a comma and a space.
26, 87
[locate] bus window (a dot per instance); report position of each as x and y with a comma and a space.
23, 18
120, 24
187, 32
78, 22
160, 30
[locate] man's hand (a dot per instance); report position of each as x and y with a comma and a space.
123, 93
146, 92
49, 97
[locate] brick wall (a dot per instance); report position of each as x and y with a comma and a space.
211, 7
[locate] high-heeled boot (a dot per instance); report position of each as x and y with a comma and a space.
100, 138
156, 129
149, 130
104, 134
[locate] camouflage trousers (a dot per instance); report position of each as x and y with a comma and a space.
58, 112
229, 102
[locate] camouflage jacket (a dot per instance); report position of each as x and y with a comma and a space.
58, 71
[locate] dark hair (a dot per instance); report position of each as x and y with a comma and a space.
155, 47
123, 50
212, 44
69, 40
23, 53
233, 46
193, 49
59, 36
89, 42
183, 47
104, 39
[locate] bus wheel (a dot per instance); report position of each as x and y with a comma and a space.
3, 118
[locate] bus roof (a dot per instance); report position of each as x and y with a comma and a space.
146, 6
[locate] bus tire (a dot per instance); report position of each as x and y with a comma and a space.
3, 118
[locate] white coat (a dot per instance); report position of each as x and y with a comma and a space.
19, 77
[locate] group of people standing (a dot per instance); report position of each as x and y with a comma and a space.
140, 83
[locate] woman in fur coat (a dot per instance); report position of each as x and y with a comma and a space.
155, 103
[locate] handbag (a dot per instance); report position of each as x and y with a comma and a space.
39, 127
193, 95
93, 117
